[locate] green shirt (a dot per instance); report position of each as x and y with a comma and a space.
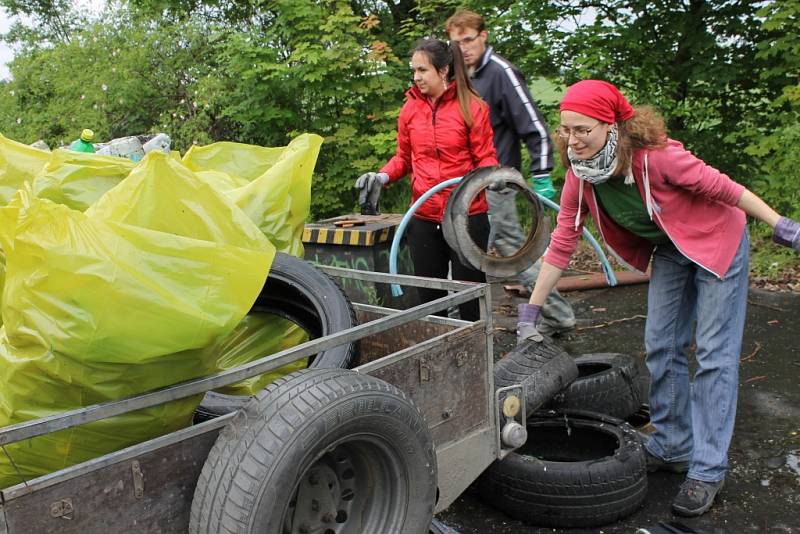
625, 206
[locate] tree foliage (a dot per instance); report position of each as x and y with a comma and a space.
724, 73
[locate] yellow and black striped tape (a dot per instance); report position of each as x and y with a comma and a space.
345, 236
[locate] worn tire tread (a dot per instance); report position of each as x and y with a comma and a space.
545, 365
570, 494
613, 391
233, 472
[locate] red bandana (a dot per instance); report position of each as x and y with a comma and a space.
597, 99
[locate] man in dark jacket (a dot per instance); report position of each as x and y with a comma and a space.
515, 120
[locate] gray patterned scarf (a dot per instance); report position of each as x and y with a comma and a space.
600, 167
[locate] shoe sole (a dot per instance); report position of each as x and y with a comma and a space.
685, 512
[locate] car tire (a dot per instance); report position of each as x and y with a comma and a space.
543, 366
455, 223
298, 291
607, 383
316, 450
577, 469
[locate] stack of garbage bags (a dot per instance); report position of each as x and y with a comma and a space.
122, 277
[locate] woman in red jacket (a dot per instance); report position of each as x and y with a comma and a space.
652, 200
443, 132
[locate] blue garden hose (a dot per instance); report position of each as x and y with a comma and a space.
398, 235
607, 270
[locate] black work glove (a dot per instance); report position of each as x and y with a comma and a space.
370, 186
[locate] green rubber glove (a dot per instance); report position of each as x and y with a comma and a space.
543, 185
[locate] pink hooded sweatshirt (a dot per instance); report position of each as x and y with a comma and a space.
693, 203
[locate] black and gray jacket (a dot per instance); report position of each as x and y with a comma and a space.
513, 113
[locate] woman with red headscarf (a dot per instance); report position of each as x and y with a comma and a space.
651, 199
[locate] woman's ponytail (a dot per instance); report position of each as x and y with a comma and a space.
464, 89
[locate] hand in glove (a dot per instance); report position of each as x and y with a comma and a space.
527, 315
544, 186
370, 185
787, 233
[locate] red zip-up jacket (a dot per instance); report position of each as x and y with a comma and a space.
435, 144
692, 202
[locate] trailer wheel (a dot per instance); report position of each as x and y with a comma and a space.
607, 383
578, 469
296, 290
320, 451
543, 366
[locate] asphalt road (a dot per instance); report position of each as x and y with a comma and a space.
762, 489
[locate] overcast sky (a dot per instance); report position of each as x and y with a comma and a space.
6, 54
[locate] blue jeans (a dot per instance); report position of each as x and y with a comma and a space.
694, 421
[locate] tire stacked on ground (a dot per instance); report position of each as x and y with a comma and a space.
582, 465
299, 292
607, 383
577, 469
544, 367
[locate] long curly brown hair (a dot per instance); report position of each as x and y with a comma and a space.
646, 129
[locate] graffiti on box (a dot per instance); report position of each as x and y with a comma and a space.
365, 259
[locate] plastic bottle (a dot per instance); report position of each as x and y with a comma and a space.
84, 144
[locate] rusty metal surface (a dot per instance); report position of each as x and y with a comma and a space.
447, 379
151, 494
398, 338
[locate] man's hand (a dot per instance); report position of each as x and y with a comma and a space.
787, 233
527, 315
543, 185
370, 185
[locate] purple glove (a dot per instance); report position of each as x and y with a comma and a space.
787, 233
527, 315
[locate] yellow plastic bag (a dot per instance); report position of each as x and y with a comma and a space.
78, 179
259, 334
18, 164
277, 192
106, 304
148, 287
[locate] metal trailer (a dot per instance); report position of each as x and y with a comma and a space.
444, 365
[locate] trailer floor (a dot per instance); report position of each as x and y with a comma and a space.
762, 488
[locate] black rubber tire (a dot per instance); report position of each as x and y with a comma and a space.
577, 469
298, 291
455, 223
544, 367
607, 383
361, 435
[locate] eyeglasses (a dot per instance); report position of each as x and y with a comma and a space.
579, 132
466, 40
